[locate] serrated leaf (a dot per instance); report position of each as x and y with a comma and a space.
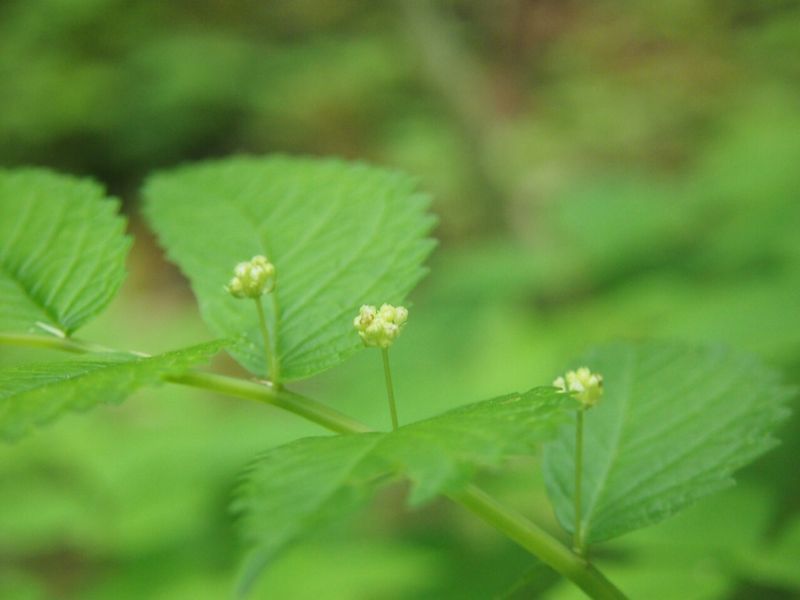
33, 395
62, 250
340, 235
297, 488
674, 424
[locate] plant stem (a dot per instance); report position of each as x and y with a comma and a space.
539, 543
64, 344
509, 522
387, 373
307, 408
41, 341
276, 319
577, 536
514, 525
269, 352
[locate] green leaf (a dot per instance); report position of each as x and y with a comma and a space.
674, 424
298, 488
340, 235
33, 395
62, 250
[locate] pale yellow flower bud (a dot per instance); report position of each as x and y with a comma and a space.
253, 278
587, 387
380, 328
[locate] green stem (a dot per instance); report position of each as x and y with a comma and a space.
269, 352
577, 536
387, 373
276, 319
539, 543
41, 341
509, 522
63, 344
302, 406
514, 525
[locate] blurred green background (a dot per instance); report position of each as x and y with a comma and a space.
599, 169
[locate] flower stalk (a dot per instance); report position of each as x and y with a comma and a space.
387, 372
379, 328
270, 353
587, 388
252, 279
578, 544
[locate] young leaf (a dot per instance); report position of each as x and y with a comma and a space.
674, 423
37, 394
302, 486
340, 235
62, 250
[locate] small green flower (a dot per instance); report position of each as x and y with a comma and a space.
586, 386
252, 279
380, 327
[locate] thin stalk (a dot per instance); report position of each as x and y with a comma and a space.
577, 536
270, 353
509, 522
63, 344
41, 341
387, 373
302, 406
276, 319
539, 543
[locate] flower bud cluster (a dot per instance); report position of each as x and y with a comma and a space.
380, 327
253, 278
586, 386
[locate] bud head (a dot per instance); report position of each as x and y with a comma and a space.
380, 328
252, 278
587, 387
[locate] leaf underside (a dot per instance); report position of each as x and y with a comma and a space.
674, 424
295, 489
340, 235
62, 250
33, 395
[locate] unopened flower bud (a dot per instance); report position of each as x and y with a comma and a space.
586, 386
253, 278
379, 328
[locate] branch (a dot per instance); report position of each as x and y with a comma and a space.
509, 522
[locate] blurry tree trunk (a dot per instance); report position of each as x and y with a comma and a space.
458, 78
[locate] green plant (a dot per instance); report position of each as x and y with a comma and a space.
674, 422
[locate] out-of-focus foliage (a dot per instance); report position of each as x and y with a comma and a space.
62, 251
600, 170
